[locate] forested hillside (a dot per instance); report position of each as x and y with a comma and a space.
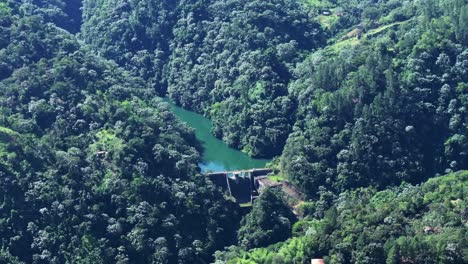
361, 104
349, 93
94, 168
405, 224
230, 60
386, 107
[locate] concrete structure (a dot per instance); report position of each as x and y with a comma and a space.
239, 184
262, 183
317, 261
246, 185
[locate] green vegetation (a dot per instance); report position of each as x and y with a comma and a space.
320, 3
245, 205
6, 134
328, 21
357, 102
276, 178
270, 221
369, 108
350, 43
235, 72
5, 10
406, 224
94, 168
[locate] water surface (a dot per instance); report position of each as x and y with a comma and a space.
217, 155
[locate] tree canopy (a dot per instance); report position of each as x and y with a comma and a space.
361, 103
94, 168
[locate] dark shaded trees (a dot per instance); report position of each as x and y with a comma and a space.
378, 115
416, 224
229, 60
270, 221
93, 167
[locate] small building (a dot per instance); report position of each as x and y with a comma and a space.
326, 13
317, 261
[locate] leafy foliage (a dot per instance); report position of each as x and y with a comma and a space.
353, 96
230, 60
391, 108
135, 34
406, 224
93, 167
270, 221
385, 102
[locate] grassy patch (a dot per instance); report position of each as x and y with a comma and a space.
276, 178
340, 45
350, 42
328, 21
248, 204
379, 30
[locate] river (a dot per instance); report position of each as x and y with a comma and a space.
217, 155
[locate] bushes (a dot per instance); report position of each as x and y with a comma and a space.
93, 167
390, 226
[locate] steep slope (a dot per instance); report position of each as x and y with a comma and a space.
92, 169
383, 102
229, 60
135, 34
406, 224
234, 67
64, 14
350, 93
384, 108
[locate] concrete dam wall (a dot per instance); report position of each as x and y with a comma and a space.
239, 184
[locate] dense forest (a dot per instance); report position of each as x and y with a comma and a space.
93, 167
390, 107
405, 224
230, 60
347, 100
362, 105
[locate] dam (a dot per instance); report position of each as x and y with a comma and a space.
246, 185
242, 185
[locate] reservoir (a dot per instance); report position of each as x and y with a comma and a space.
217, 155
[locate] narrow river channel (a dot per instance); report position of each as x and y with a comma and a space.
217, 155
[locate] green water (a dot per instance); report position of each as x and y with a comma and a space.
217, 156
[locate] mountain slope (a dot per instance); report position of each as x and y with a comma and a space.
405, 224
93, 167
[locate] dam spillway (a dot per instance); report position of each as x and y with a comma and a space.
242, 185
